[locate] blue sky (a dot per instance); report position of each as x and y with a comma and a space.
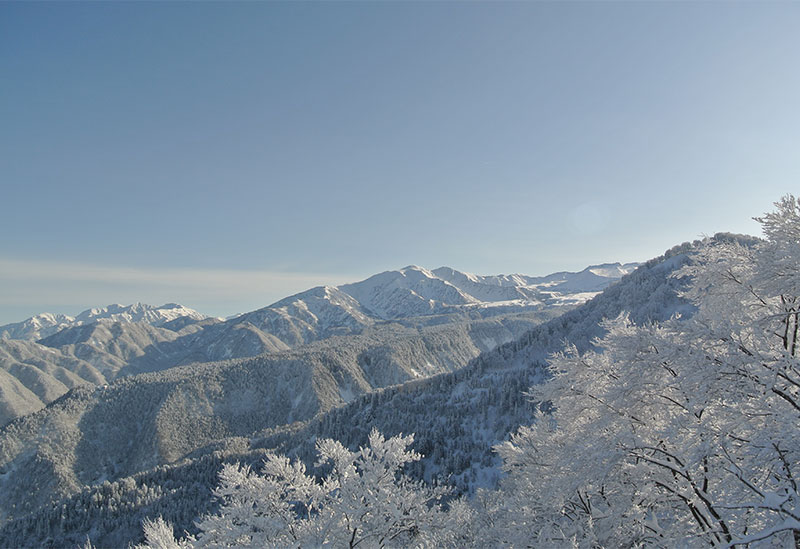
224, 155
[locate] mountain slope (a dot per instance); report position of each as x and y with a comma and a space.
31, 375
143, 421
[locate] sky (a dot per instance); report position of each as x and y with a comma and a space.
225, 155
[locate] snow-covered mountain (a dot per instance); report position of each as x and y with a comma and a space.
591, 279
124, 340
328, 310
139, 312
410, 296
415, 291
412, 291
201, 414
46, 324
36, 327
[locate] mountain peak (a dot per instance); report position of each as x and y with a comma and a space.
46, 324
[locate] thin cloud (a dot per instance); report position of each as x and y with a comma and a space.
11, 269
215, 291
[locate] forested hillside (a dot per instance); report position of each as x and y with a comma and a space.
92, 435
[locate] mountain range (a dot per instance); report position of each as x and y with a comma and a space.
100, 345
47, 324
103, 403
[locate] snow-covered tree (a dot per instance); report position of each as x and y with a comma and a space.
158, 535
680, 434
364, 501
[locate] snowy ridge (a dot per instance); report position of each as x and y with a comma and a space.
314, 314
414, 291
119, 340
409, 292
46, 324
36, 327
139, 312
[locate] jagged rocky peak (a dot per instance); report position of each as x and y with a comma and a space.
46, 324
139, 312
35, 327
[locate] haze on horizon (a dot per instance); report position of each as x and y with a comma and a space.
226, 155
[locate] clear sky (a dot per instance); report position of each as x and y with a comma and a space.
224, 155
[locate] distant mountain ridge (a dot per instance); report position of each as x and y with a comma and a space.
103, 344
413, 292
407, 292
47, 324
